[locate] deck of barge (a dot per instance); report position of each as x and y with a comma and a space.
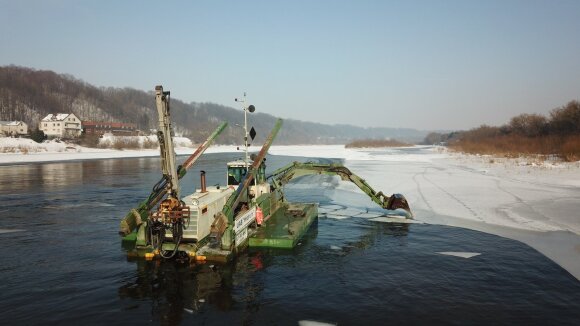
286, 227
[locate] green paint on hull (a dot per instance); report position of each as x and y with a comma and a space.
128, 241
283, 230
286, 227
130, 238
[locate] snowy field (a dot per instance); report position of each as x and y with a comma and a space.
537, 203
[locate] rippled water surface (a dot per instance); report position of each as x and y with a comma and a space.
62, 262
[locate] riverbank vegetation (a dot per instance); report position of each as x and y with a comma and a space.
128, 142
527, 134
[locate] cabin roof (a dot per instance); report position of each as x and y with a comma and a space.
239, 163
11, 123
56, 117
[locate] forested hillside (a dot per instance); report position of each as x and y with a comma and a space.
29, 95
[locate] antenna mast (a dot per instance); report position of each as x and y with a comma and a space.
246, 145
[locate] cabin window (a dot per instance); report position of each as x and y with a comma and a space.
235, 175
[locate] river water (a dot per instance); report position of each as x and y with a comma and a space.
62, 261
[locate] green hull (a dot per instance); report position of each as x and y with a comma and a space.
286, 227
282, 230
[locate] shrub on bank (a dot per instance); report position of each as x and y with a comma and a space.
525, 134
87, 140
121, 143
570, 149
565, 147
138, 142
149, 143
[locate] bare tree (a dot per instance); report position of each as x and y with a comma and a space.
566, 120
529, 125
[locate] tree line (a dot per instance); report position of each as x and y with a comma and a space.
556, 134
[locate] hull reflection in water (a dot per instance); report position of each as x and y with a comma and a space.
174, 291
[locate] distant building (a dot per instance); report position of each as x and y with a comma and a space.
13, 128
63, 125
116, 128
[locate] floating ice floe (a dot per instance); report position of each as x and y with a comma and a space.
332, 207
369, 215
344, 213
313, 323
459, 254
324, 210
10, 231
389, 219
337, 217
81, 205
351, 212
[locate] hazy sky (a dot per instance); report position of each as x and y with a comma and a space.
420, 64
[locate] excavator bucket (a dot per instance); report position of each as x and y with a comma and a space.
397, 201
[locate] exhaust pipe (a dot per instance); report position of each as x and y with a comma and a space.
203, 184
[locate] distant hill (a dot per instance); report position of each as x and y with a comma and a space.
28, 95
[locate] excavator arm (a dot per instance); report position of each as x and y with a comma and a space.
282, 176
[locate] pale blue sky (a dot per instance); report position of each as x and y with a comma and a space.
420, 64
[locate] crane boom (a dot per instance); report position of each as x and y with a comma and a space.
182, 169
166, 143
283, 175
135, 217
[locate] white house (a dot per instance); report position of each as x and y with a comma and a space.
63, 125
13, 128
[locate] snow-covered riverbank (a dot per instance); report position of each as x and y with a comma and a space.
23, 150
537, 203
